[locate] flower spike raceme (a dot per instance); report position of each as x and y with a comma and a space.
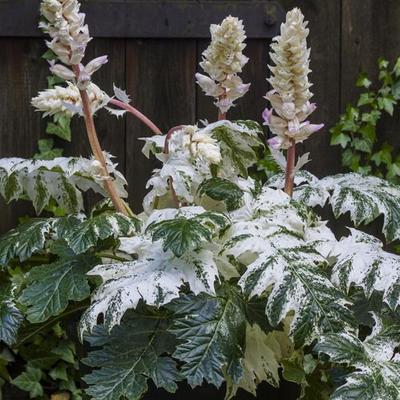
222, 61
290, 95
65, 24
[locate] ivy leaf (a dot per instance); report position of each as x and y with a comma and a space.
134, 352
220, 189
29, 381
377, 368
210, 333
181, 234
365, 198
51, 286
10, 317
361, 261
61, 180
24, 240
155, 277
363, 81
82, 235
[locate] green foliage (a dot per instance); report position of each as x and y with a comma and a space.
181, 235
10, 317
357, 131
52, 286
136, 351
210, 333
220, 189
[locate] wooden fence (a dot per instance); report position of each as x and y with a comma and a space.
154, 48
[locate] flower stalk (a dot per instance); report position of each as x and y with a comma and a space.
290, 95
135, 112
290, 169
109, 186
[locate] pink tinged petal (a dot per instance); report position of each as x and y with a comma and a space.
83, 78
267, 115
62, 72
275, 143
95, 64
314, 127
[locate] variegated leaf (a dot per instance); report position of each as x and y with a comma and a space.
361, 261
155, 277
375, 361
61, 179
365, 198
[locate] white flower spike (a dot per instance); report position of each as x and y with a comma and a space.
290, 92
222, 61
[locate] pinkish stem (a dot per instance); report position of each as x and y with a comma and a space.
289, 175
137, 114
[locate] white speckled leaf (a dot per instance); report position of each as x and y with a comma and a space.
377, 367
365, 198
308, 188
156, 278
62, 179
361, 261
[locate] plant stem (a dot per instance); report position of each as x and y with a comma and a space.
289, 175
221, 116
137, 114
111, 257
109, 186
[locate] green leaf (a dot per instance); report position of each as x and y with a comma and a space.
376, 374
340, 139
59, 372
134, 352
220, 189
181, 234
24, 240
366, 98
82, 235
211, 334
52, 286
59, 130
29, 381
10, 317
363, 81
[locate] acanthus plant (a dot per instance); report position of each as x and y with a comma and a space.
220, 279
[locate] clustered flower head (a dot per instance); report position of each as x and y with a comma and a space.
222, 61
201, 145
290, 95
67, 100
69, 38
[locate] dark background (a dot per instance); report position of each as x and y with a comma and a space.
154, 48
